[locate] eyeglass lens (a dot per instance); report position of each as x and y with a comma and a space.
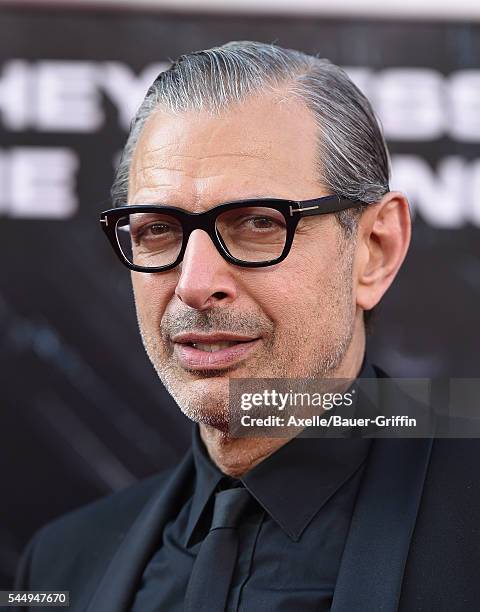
249, 234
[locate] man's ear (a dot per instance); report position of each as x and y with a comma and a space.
383, 238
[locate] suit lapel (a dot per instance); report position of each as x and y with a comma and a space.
372, 567
120, 581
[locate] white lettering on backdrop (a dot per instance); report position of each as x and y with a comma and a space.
413, 104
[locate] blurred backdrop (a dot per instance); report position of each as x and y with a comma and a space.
82, 412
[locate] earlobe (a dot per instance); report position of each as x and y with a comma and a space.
382, 242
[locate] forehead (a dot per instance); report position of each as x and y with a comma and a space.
265, 146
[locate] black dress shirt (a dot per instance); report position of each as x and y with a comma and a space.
290, 543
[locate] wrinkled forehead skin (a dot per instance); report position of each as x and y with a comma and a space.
265, 146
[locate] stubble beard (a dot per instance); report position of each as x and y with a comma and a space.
193, 392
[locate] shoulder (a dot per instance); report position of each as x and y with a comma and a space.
113, 512
446, 531
458, 457
82, 542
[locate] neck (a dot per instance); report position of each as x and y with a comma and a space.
236, 456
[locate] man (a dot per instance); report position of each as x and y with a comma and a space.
275, 285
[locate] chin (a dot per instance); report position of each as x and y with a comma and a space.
217, 417
204, 400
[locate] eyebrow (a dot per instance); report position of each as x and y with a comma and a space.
240, 199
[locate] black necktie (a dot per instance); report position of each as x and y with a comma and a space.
212, 572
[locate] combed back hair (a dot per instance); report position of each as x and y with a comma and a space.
352, 159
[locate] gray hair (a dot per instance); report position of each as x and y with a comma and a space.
352, 154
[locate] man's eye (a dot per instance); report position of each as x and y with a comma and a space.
158, 228
152, 230
261, 223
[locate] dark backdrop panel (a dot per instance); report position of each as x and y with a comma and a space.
83, 413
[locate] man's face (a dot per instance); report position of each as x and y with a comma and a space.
295, 319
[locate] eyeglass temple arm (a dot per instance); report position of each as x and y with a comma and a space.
321, 206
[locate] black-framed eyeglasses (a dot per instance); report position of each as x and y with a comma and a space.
250, 233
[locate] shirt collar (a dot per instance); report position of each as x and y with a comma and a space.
314, 468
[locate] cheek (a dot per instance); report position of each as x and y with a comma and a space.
152, 293
307, 295
289, 294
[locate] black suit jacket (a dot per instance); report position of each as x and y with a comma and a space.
413, 544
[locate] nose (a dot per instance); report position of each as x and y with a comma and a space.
206, 279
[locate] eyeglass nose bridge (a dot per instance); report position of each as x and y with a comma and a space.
207, 222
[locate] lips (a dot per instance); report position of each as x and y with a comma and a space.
212, 351
213, 347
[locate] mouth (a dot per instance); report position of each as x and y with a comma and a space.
212, 351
